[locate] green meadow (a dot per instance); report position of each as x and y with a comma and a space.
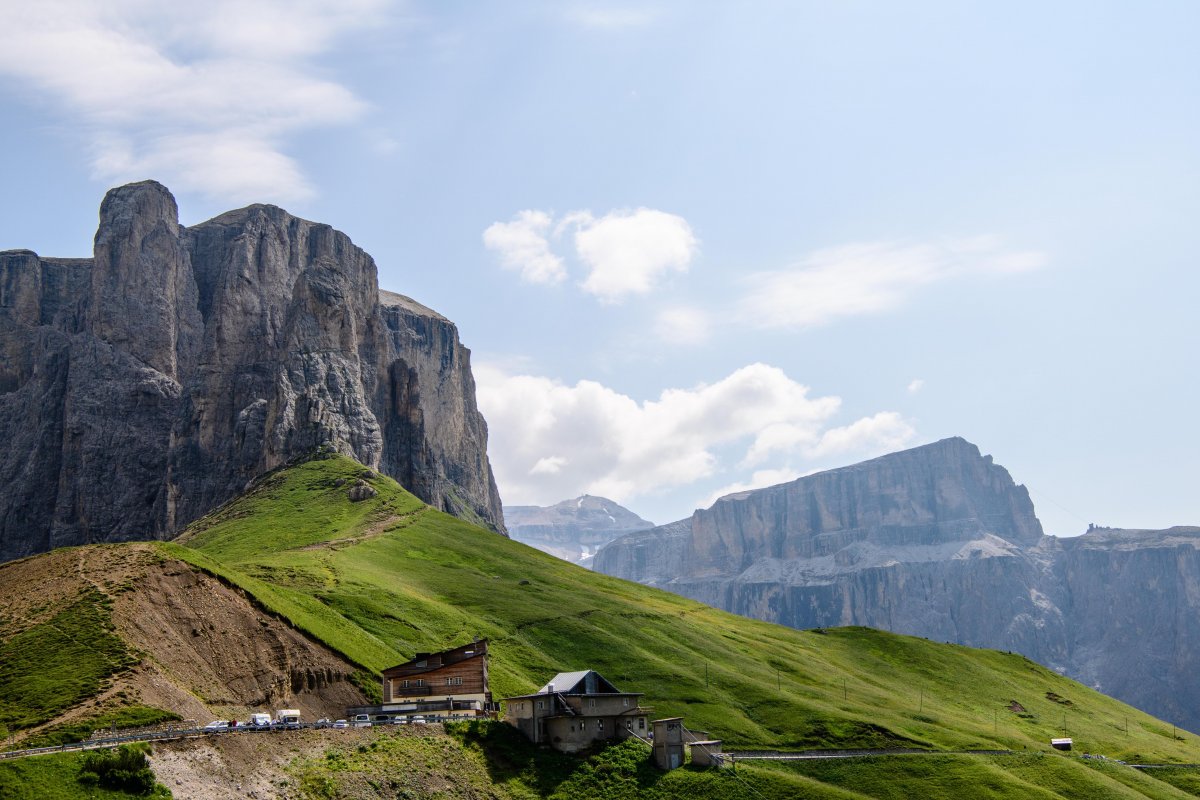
387, 577
384, 578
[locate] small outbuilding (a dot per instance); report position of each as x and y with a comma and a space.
575, 709
668, 743
1061, 744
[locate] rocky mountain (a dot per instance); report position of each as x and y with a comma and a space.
938, 541
146, 385
574, 529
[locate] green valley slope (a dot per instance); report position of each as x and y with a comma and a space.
384, 578
373, 582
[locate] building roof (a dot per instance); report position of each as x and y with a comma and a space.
587, 681
427, 662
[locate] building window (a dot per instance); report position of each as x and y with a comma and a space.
625, 702
629, 724
454, 681
599, 724
419, 682
539, 705
592, 703
641, 723
403, 684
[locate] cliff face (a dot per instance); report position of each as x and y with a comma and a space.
939, 542
143, 387
574, 529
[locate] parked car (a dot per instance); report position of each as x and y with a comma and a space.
362, 720
399, 721
323, 722
217, 725
417, 720
341, 723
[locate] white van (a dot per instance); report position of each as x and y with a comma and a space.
260, 720
361, 721
287, 718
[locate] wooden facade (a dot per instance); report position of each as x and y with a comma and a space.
452, 683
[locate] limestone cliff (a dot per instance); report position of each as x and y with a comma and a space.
146, 385
938, 541
574, 529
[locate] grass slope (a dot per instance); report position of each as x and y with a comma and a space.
53, 665
56, 777
381, 579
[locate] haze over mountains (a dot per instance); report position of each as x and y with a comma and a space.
938, 541
147, 385
574, 529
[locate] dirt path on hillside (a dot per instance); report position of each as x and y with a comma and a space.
375, 530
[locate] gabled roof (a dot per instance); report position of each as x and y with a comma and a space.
585, 682
428, 662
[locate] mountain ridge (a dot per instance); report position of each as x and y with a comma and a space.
939, 541
296, 551
147, 385
572, 529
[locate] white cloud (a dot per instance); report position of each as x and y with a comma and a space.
627, 252
550, 465
868, 437
624, 252
881, 433
550, 440
916, 385
522, 245
201, 96
866, 278
682, 325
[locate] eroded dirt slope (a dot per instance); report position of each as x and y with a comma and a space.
203, 649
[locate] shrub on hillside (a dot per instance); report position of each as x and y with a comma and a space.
124, 769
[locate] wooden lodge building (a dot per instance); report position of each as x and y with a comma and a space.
576, 709
452, 683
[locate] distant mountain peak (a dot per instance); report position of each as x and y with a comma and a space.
572, 529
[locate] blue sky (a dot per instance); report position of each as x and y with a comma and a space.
697, 247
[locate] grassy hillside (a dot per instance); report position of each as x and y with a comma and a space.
384, 578
381, 579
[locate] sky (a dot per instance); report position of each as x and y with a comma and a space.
697, 247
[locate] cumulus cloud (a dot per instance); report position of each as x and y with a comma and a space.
627, 252
866, 278
916, 385
202, 96
624, 252
550, 440
883, 432
682, 325
522, 246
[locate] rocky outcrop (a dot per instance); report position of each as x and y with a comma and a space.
145, 386
939, 542
574, 529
